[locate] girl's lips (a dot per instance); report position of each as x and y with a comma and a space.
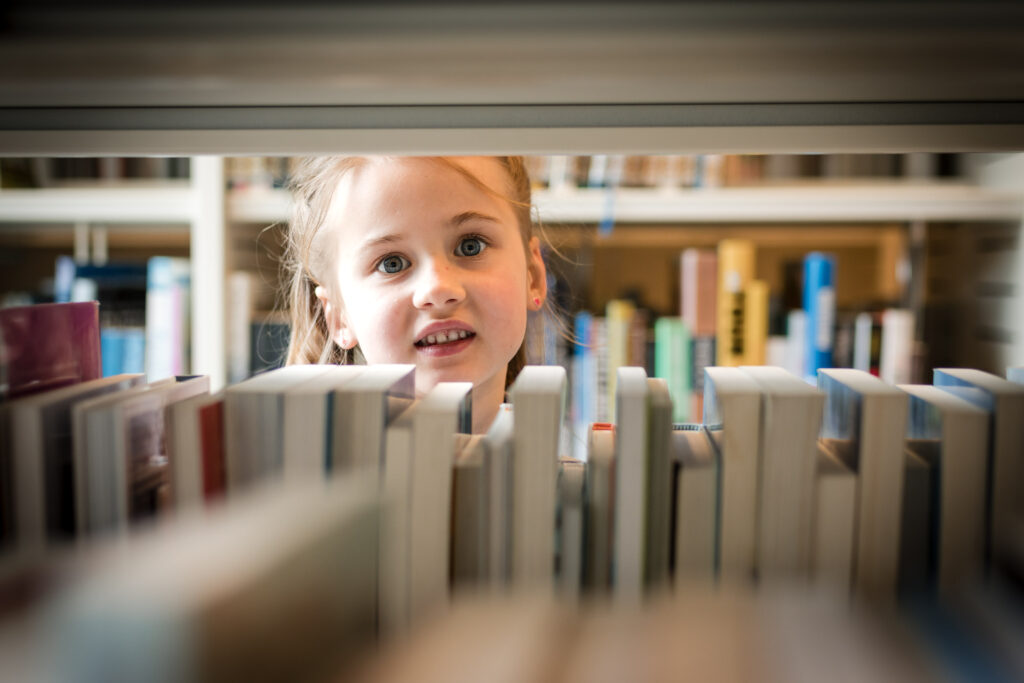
446, 349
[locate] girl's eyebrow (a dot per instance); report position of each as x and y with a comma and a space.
467, 216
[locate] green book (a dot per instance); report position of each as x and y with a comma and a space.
672, 363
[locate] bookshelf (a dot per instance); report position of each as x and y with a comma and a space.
553, 79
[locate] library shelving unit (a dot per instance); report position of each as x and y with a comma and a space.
204, 213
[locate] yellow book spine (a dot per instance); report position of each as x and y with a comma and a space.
756, 318
735, 272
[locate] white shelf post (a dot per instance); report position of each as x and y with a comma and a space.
208, 246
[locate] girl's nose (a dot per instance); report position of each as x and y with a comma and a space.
438, 285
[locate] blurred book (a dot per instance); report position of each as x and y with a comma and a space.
47, 346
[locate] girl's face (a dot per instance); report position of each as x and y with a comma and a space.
431, 270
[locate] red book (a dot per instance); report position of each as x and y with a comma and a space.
211, 438
47, 346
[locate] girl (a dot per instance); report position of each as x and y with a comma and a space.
430, 261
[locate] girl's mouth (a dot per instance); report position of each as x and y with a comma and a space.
445, 343
443, 338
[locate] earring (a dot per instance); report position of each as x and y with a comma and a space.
536, 301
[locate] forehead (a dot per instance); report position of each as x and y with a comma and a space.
388, 187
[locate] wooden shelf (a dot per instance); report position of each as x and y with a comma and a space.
824, 202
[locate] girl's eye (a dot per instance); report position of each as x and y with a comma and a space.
392, 264
470, 246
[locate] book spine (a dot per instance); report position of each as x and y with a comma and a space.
820, 307
735, 272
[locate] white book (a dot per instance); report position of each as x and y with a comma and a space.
951, 435
538, 407
469, 513
362, 410
40, 447
206, 595
872, 416
600, 487
308, 422
696, 505
393, 566
253, 424
418, 462
896, 358
631, 453
833, 540
791, 413
1004, 401
571, 474
121, 465
498, 445
659, 482
732, 416
862, 342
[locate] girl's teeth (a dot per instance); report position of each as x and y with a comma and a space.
445, 337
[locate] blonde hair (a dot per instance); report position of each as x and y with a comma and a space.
306, 261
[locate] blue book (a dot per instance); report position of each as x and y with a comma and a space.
820, 306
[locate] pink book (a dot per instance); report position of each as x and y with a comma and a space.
47, 346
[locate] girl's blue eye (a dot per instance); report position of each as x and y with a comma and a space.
470, 246
392, 264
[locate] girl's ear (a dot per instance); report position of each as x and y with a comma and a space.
536, 275
336, 325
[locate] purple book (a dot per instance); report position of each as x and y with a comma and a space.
47, 346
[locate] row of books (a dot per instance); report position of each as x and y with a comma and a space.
724, 320
725, 170
331, 499
145, 311
55, 172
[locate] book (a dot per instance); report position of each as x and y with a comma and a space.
168, 339
38, 449
699, 310
1015, 374
469, 513
735, 272
47, 346
629, 541
308, 422
618, 314
755, 320
600, 514
796, 342
538, 406
790, 421
659, 485
120, 466
362, 410
195, 450
254, 424
584, 380
732, 416
833, 539
418, 480
897, 349
1004, 401
951, 436
672, 363
916, 524
820, 306
571, 475
871, 416
205, 596
695, 528
498, 444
